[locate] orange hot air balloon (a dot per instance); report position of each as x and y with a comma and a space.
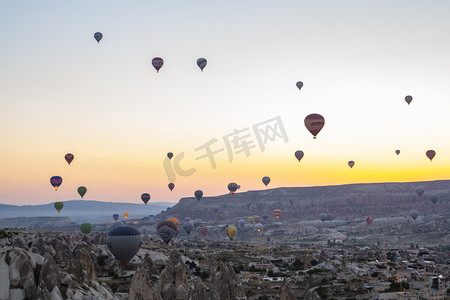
174, 220
314, 123
126, 214
277, 213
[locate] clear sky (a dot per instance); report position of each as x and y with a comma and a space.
61, 91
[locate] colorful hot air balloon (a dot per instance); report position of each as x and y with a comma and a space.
115, 217
369, 220
414, 214
56, 181
69, 158
145, 197
157, 63
241, 222
420, 190
174, 220
232, 187
188, 227
166, 230
265, 217
98, 36
198, 194
408, 99
220, 214
124, 242
215, 209
251, 220
266, 180
434, 198
117, 224
170, 155
204, 230
314, 123
171, 186
201, 63
323, 217
259, 227
82, 191
299, 84
231, 232
430, 154
257, 219
281, 230
299, 155
277, 213
58, 206
125, 215
351, 164
397, 152
86, 228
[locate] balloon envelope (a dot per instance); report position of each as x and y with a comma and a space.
369, 220
188, 227
277, 213
98, 36
124, 242
259, 227
58, 206
157, 63
299, 155
171, 186
251, 220
86, 228
198, 194
69, 158
204, 230
323, 217
397, 152
299, 84
420, 190
266, 180
56, 181
215, 209
201, 63
170, 155
145, 197
351, 163
174, 220
430, 154
231, 232
115, 217
232, 187
414, 214
434, 198
408, 99
241, 222
82, 191
126, 214
166, 230
314, 123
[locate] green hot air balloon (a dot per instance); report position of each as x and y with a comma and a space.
59, 206
86, 228
82, 191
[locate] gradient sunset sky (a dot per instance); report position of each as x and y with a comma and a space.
61, 92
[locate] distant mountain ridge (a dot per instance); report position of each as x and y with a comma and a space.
84, 210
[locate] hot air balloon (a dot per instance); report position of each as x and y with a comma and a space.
204, 230
201, 63
408, 99
145, 197
231, 232
171, 186
351, 164
420, 190
86, 228
187, 219
157, 63
215, 209
281, 230
125, 215
69, 158
277, 213
117, 224
98, 36
82, 191
369, 220
265, 217
170, 155
314, 123
241, 222
232, 187
197, 222
58, 206
414, 214
56, 181
166, 230
323, 217
434, 198
168, 209
251, 220
123, 242
220, 214
397, 152
188, 227
299, 84
115, 217
266, 180
330, 217
198, 194
299, 155
259, 227
174, 220
430, 154
257, 219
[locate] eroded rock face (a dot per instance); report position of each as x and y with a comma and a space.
21, 272
173, 281
49, 275
199, 292
142, 287
63, 255
286, 292
224, 283
83, 266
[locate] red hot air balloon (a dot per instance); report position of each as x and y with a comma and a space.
171, 186
431, 154
69, 157
369, 220
157, 63
56, 181
314, 123
145, 198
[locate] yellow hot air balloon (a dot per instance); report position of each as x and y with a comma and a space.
175, 220
231, 232
251, 220
126, 214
